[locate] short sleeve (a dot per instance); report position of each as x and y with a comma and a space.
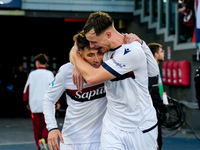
125, 59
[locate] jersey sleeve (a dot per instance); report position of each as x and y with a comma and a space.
152, 65
127, 58
52, 95
26, 90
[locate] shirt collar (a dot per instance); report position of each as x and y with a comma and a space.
115, 48
41, 68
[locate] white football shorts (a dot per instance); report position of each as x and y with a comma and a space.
113, 138
84, 146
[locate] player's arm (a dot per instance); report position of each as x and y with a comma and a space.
152, 65
26, 93
78, 78
111, 68
91, 75
53, 93
129, 38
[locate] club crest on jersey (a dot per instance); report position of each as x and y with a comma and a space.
126, 50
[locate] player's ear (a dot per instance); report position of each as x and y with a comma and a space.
80, 52
156, 55
108, 34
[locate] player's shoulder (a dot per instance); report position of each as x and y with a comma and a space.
66, 67
129, 48
133, 45
46, 71
33, 72
49, 72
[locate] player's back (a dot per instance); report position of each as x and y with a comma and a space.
39, 80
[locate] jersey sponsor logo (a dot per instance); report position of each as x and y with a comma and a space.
118, 64
87, 94
126, 50
127, 75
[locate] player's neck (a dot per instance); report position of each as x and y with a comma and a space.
118, 40
157, 61
41, 66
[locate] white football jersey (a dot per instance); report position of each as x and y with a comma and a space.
36, 86
85, 112
129, 102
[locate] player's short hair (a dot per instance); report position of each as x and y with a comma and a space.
99, 21
42, 58
81, 41
154, 47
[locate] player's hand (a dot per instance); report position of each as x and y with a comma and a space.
75, 48
53, 139
73, 52
28, 107
58, 106
77, 78
129, 38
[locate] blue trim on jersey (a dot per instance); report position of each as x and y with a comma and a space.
115, 48
124, 76
112, 71
52, 129
147, 130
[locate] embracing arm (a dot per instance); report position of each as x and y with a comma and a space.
152, 65
77, 77
90, 74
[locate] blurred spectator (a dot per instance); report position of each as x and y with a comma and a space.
156, 90
186, 9
36, 86
20, 77
6, 90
